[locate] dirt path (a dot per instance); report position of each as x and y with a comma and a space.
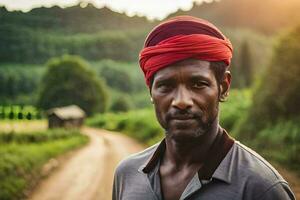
89, 173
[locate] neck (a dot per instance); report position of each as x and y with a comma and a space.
190, 152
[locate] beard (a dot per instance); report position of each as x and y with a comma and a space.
184, 125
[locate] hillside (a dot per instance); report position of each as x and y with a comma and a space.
73, 19
95, 34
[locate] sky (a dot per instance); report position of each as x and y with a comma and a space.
152, 9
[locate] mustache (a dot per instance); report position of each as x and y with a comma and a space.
182, 114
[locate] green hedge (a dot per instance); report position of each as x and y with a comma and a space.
23, 155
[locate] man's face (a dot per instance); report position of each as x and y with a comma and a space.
186, 98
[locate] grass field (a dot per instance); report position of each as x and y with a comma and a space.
25, 147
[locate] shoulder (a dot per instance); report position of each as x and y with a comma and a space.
254, 164
258, 175
135, 161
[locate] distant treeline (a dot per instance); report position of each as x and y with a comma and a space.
95, 34
26, 45
73, 19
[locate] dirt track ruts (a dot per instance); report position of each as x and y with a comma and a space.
88, 174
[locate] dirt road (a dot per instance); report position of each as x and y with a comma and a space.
89, 173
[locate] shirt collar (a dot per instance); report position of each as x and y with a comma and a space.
215, 166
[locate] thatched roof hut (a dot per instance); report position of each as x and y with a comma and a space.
66, 117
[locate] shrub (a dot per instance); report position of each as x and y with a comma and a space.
117, 78
139, 124
121, 104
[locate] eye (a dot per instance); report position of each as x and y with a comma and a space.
164, 86
199, 84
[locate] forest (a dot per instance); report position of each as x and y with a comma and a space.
43, 52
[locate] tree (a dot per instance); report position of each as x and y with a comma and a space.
69, 80
117, 78
246, 64
277, 97
122, 104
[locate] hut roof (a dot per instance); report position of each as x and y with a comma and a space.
67, 112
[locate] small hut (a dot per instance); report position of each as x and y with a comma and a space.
66, 117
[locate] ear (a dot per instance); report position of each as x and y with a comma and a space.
150, 92
225, 86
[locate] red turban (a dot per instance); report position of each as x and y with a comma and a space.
180, 38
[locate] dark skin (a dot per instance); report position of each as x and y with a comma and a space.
186, 98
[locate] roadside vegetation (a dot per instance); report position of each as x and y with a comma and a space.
272, 124
22, 156
142, 124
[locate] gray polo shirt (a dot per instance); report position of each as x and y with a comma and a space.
240, 174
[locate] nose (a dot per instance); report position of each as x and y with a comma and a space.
182, 99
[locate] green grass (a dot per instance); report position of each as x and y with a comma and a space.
22, 157
139, 124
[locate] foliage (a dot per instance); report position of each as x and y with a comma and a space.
278, 142
277, 94
21, 158
272, 123
142, 124
122, 104
38, 35
130, 69
139, 124
19, 112
19, 83
234, 108
246, 65
74, 19
258, 56
69, 80
134, 82
36, 137
235, 13
117, 78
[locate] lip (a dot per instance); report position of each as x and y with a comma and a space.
183, 118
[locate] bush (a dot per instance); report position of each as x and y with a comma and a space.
117, 78
139, 124
280, 142
70, 81
121, 104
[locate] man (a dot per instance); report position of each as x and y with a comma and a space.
185, 61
